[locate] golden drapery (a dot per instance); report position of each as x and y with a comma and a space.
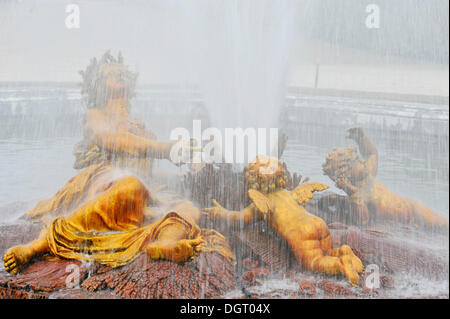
79, 188
113, 249
109, 228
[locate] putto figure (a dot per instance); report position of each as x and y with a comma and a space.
101, 211
307, 235
368, 200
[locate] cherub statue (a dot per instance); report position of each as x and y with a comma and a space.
368, 200
307, 235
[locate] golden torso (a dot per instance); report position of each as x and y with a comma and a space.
386, 203
115, 118
292, 221
383, 203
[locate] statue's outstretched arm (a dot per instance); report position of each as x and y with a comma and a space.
244, 216
132, 144
353, 206
138, 128
120, 140
366, 148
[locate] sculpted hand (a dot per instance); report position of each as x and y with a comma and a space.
344, 184
177, 251
355, 133
217, 211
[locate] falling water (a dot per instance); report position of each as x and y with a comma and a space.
310, 67
244, 57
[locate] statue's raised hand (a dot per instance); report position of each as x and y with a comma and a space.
355, 133
344, 183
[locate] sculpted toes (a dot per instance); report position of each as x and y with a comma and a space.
357, 264
7, 257
11, 268
198, 249
10, 262
190, 250
197, 241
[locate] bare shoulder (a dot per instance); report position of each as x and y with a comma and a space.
93, 117
93, 113
93, 121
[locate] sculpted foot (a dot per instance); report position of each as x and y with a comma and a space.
16, 257
349, 270
177, 251
186, 249
357, 264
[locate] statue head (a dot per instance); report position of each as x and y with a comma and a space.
266, 174
105, 79
344, 163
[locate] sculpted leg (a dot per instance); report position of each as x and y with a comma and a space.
335, 266
120, 208
328, 265
333, 262
315, 260
351, 264
187, 208
312, 258
318, 255
346, 254
172, 244
174, 250
18, 256
73, 193
428, 217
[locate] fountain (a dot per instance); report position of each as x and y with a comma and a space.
96, 207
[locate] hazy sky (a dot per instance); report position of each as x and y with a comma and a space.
167, 40
36, 45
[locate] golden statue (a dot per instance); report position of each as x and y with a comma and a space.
307, 235
369, 200
112, 140
101, 211
110, 230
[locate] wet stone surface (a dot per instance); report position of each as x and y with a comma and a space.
208, 276
262, 271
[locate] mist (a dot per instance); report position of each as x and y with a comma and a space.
167, 40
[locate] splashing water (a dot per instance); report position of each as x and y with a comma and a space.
236, 57
244, 60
